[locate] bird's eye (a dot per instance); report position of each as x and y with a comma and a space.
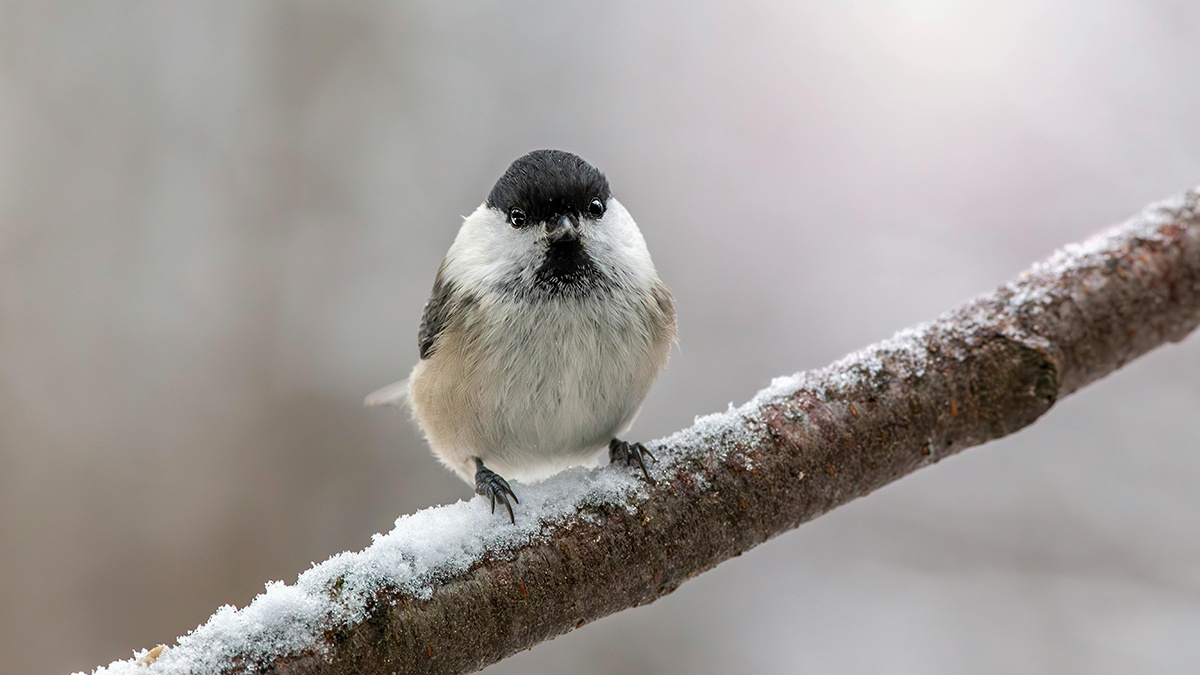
516, 217
596, 208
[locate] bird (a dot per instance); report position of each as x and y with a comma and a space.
545, 330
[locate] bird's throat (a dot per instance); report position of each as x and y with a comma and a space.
567, 267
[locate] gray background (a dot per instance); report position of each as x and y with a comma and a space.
219, 221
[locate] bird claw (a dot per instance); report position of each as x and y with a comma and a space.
493, 486
629, 453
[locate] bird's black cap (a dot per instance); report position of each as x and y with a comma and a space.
546, 184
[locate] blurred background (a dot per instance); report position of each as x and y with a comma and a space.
219, 223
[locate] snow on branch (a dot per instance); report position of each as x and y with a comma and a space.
454, 588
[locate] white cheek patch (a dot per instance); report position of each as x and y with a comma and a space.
616, 244
488, 251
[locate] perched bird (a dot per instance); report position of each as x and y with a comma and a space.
545, 330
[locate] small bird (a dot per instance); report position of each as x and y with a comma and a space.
545, 330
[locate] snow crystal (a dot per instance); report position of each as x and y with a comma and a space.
718, 431
427, 547
422, 549
1031, 289
904, 354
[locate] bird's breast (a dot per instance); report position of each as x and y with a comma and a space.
562, 377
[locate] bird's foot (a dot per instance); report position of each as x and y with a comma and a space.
624, 451
491, 485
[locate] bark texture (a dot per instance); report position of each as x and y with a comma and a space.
823, 438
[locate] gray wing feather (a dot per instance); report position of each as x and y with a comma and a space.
436, 316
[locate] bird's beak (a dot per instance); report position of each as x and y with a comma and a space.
564, 230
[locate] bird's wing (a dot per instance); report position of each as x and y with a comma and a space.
433, 322
436, 315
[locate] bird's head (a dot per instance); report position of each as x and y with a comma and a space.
550, 226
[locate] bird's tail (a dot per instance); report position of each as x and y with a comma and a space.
395, 394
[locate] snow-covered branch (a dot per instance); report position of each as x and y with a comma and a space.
452, 589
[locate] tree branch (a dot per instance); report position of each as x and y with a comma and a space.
453, 589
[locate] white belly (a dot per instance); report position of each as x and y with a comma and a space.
543, 390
